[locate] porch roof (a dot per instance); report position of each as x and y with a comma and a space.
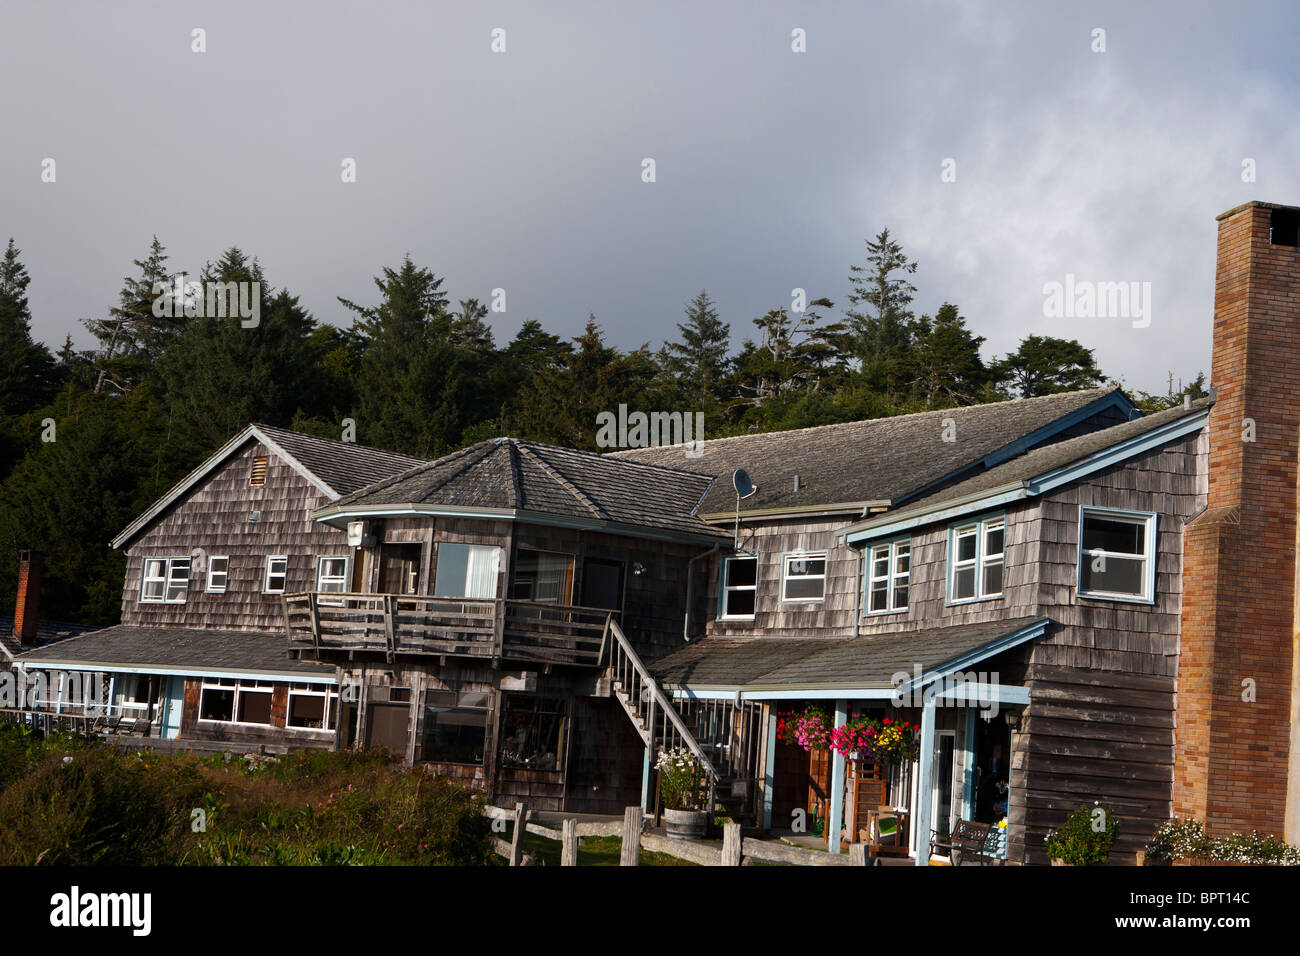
179, 651
859, 663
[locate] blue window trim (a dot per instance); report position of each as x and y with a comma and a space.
866, 576
722, 587
978, 520
1152, 553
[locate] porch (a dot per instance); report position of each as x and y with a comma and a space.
423, 625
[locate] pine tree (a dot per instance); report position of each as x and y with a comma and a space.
133, 339
1043, 365
880, 318
28, 376
699, 362
945, 367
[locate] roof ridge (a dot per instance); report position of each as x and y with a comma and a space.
335, 441
383, 483
564, 483
1100, 391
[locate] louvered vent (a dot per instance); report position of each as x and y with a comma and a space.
257, 477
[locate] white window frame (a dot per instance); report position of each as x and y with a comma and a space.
892, 551
727, 588
168, 579
342, 579
266, 577
331, 695
982, 559
240, 687
790, 556
212, 587
1145, 518
222, 684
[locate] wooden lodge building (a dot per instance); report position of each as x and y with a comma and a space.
1035, 583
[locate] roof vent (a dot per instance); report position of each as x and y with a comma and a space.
257, 477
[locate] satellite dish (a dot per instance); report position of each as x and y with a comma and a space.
740, 481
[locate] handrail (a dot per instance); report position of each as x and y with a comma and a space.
664, 705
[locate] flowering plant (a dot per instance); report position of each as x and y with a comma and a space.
808, 728
880, 739
682, 784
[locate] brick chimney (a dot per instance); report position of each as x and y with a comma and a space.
31, 566
1233, 763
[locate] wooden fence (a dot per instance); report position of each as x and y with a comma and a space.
734, 851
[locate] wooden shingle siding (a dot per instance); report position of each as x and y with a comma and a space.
214, 516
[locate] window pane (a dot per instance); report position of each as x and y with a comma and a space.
993, 538
454, 734
903, 561
532, 733
742, 571
900, 596
1114, 575
802, 588
805, 566
966, 545
255, 708
739, 603
1109, 534
879, 562
306, 711
879, 596
963, 583
542, 576
217, 704
993, 578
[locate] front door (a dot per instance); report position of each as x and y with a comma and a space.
173, 704
399, 569
945, 745
602, 584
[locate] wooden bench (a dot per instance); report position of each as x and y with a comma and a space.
968, 840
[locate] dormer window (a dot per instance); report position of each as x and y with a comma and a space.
739, 586
804, 577
976, 559
257, 475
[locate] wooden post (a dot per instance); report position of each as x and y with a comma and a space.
631, 854
569, 842
857, 854
925, 779
836, 816
517, 839
390, 631
731, 854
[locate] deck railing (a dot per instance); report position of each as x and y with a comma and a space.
417, 624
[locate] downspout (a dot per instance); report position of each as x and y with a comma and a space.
690, 590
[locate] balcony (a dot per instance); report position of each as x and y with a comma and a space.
421, 625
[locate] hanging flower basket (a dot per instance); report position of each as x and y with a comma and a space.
882, 740
809, 728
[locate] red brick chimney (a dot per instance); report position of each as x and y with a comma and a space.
31, 566
1236, 663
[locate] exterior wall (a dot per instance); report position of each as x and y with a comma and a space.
277, 736
833, 616
214, 516
1238, 759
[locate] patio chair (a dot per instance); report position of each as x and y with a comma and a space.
968, 842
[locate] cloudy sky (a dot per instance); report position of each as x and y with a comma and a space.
522, 170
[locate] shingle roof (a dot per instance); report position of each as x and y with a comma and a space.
1047, 459
47, 632
335, 467
879, 460
867, 662
523, 476
343, 466
184, 650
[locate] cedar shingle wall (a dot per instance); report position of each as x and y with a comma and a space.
214, 517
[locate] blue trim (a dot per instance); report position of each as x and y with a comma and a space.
1039, 484
1116, 399
1151, 556
769, 769
968, 767
836, 821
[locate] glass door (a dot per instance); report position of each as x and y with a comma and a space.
941, 805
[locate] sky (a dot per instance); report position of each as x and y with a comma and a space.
522, 170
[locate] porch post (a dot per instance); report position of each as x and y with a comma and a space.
925, 778
769, 769
645, 780
836, 820
968, 766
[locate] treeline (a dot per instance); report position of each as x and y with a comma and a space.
89, 438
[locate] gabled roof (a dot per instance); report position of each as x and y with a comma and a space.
180, 651
881, 461
509, 478
1038, 471
758, 664
336, 468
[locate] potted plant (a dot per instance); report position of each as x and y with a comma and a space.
1085, 838
809, 728
882, 740
683, 791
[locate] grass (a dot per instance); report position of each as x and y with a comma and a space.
593, 851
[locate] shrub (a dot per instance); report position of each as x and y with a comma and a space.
1186, 840
1086, 837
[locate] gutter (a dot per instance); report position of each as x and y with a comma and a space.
847, 507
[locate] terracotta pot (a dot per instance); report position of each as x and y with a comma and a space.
685, 824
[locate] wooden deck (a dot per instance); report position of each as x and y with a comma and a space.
423, 625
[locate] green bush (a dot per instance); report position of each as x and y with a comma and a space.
1186, 840
1086, 837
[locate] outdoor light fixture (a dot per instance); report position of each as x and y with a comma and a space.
638, 568
255, 516
1013, 719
